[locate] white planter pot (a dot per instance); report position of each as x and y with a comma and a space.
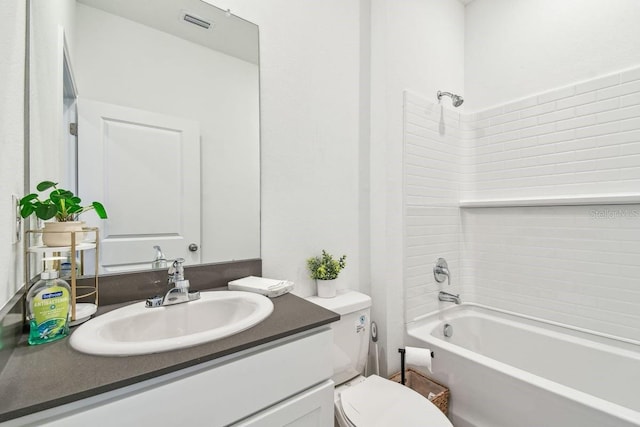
326, 288
59, 233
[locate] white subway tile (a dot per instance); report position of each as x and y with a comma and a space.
529, 142
598, 83
598, 153
596, 130
538, 110
556, 94
630, 149
620, 138
504, 137
521, 104
487, 114
493, 130
630, 180
504, 118
520, 124
585, 98
597, 107
629, 125
538, 130
578, 122
557, 136
619, 114
620, 90
632, 99
556, 116
628, 75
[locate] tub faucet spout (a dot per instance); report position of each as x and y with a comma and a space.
446, 296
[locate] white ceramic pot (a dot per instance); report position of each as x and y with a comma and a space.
59, 233
326, 288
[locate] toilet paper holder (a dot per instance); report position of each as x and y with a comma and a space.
402, 352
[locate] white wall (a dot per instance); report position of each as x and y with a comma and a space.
416, 46
185, 80
12, 46
309, 72
49, 21
516, 48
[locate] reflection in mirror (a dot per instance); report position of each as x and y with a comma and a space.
167, 124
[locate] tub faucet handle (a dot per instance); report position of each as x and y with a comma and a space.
441, 271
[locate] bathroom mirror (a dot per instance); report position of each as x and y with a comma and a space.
165, 95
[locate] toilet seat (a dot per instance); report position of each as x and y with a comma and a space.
380, 402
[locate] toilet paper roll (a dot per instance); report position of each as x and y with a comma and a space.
420, 357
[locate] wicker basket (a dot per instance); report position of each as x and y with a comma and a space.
423, 385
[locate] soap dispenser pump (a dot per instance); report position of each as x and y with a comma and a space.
49, 308
160, 261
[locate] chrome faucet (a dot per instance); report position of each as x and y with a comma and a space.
446, 296
440, 272
178, 288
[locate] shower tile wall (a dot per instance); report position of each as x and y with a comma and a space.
581, 139
578, 265
572, 264
431, 194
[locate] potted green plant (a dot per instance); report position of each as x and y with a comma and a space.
61, 205
325, 270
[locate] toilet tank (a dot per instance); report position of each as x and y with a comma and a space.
350, 333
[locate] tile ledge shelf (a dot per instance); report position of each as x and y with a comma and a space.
588, 199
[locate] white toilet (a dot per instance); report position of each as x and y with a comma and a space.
372, 401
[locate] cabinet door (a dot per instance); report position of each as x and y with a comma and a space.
312, 408
145, 168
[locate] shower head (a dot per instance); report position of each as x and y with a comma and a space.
456, 100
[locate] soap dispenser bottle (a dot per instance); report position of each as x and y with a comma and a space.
49, 308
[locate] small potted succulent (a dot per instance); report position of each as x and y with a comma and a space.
325, 270
63, 206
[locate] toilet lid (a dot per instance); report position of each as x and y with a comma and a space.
380, 402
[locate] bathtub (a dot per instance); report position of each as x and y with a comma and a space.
509, 370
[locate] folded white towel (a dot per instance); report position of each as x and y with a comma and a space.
261, 285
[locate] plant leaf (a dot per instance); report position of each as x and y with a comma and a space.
26, 210
100, 210
45, 185
46, 211
74, 209
28, 198
56, 195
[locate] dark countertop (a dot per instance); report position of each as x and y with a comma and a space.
41, 377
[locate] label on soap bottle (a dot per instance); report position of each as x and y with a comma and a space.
50, 315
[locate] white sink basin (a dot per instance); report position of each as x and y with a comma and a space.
136, 329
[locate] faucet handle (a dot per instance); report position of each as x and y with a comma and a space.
177, 266
441, 271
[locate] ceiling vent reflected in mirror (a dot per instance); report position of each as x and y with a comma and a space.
190, 18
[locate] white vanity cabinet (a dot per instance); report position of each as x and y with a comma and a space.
283, 383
